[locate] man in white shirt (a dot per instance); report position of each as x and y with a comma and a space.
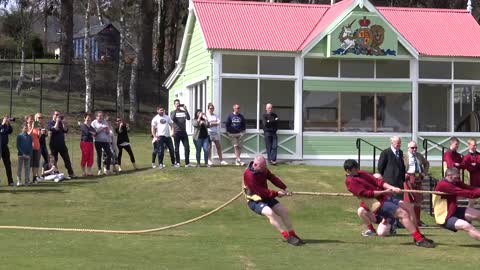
161, 124
416, 167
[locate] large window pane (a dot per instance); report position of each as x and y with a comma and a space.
357, 112
320, 111
321, 67
393, 69
356, 69
243, 64
434, 107
466, 107
282, 96
241, 92
435, 70
467, 71
277, 65
394, 112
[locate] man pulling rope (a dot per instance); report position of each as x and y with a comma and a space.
376, 198
262, 200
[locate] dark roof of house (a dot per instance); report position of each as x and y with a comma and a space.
94, 30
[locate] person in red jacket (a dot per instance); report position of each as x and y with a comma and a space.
376, 196
447, 213
471, 163
262, 200
452, 158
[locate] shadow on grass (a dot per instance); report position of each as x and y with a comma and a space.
323, 241
28, 190
470, 246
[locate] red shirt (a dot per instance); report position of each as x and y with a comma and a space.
451, 157
455, 189
257, 183
474, 170
364, 185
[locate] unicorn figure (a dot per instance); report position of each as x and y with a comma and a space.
346, 37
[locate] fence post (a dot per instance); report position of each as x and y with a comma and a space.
443, 166
41, 87
11, 90
374, 156
69, 85
358, 148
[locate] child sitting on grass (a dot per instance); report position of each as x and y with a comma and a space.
50, 171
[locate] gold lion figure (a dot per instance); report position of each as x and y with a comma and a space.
378, 34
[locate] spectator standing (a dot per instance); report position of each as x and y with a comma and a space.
102, 142
452, 158
123, 142
179, 117
200, 136
43, 137
471, 163
57, 128
391, 165
160, 130
5, 131
24, 147
270, 127
34, 131
214, 135
86, 144
235, 125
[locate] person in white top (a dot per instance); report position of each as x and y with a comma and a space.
214, 135
161, 125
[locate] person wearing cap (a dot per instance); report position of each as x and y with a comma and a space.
376, 195
261, 199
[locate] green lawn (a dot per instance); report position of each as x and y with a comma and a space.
234, 238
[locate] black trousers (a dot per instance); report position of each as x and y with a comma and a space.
127, 148
105, 146
63, 151
7, 163
182, 137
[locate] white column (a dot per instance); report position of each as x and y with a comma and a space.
217, 83
414, 77
298, 118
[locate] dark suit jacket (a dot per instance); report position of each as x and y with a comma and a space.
392, 168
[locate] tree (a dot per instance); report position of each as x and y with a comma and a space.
66, 40
147, 15
87, 60
18, 25
121, 60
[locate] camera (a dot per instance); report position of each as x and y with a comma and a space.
181, 105
11, 119
61, 117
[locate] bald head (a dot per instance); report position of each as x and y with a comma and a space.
259, 164
268, 107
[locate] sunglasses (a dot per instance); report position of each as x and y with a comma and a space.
413, 147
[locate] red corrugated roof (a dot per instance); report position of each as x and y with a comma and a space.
259, 26
437, 32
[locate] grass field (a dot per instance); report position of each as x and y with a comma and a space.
234, 238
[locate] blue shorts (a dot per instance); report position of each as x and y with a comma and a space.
459, 214
389, 208
257, 207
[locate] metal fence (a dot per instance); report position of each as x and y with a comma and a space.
43, 90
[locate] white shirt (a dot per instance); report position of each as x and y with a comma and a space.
161, 124
213, 130
411, 164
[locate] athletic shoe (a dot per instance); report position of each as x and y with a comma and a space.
300, 240
274, 163
422, 224
161, 166
198, 165
177, 165
99, 172
18, 183
72, 176
208, 165
210, 162
425, 242
223, 162
119, 169
154, 166
238, 162
294, 241
11, 184
189, 165
368, 233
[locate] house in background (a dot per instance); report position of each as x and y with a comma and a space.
334, 73
104, 43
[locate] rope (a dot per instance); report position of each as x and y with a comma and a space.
351, 195
126, 232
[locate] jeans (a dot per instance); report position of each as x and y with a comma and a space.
7, 163
182, 137
160, 148
23, 161
271, 141
105, 146
199, 144
63, 151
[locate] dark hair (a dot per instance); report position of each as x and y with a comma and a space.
350, 164
86, 114
160, 107
196, 112
176, 100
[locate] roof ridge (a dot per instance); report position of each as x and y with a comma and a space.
251, 2
446, 10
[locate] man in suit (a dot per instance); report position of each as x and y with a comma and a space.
416, 167
390, 164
